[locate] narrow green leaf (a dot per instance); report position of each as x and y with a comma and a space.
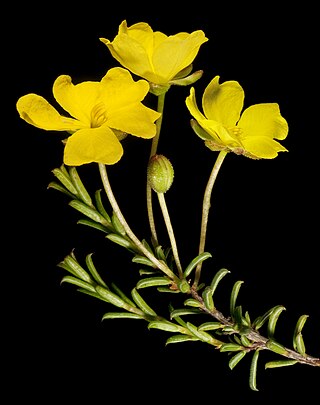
76, 268
64, 178
200, 258
245, 341
59, 187
141, 303
236, 358
79, 283
181, 338
207, 298
298, 343
273, 318
93, 270
93, 224
114, 237
122, 295
230, 347
280, 363
217, 278
166, 326
181, 312
204, 336
253, 371
147, 246
117, 224
191, 302
184, 286
81, 190
100, 206
143, 260
121, 315
111, 297
210, 326
160, 253
234, 296
167, 290
276, 347
260, 320
152, 282
88, 212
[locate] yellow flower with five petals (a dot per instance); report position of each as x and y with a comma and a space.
222, 126
101, 114
153, 55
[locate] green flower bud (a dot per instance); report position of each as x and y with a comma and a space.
160, 173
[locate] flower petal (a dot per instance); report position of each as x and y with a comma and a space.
135, 119
223, 102
130, 46
154, 55
262, 147
263, 120
35, 110
192, 105
78, 100
92, 145
119, 89
175, 53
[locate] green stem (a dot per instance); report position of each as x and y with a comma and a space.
153, 151
107, 187
205, 210
167, 220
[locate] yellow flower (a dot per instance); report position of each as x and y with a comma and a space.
223, 127
103, 113
154, 56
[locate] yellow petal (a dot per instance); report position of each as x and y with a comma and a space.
175, 53
223, 102
263, 120
262, 147
35, 110
78, 100
135, 119
92, 145
214, 128
154, 55
191, 103
119, 89
130, 46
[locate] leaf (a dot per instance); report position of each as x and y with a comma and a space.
253, 371
60, 188
217, 278
207, 298
93, 224
280, 363
234, 296
142, 260
191, 302
198, 259
64, 178
236, 358
230, 347
89, 212
110, 297
152, 282
141, 303
69, 263
120, 240
93, 271
79, 283
81, 190
298, 343
117, 225
121, 315
273, 318
181, 338
181, 312
210, 326
166, 326
100, 206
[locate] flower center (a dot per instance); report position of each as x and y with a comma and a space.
98, 115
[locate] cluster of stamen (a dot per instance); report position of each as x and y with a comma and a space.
98, 115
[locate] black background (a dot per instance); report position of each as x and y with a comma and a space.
263, 224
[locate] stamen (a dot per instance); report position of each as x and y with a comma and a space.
98, 115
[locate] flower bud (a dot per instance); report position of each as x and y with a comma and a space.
160, 173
